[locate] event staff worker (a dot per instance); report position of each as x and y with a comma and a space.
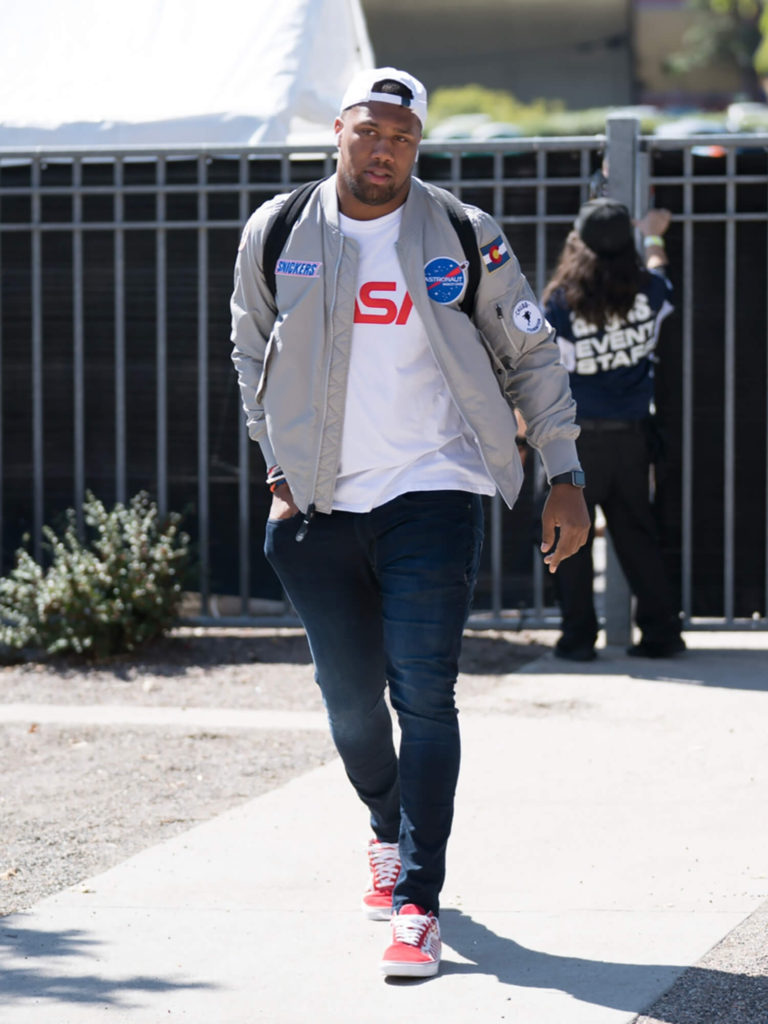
607, 306
384, 413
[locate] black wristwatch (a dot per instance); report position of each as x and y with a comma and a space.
574, 476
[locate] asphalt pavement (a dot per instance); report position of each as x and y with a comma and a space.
610, 831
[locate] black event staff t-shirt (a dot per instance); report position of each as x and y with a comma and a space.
611, 368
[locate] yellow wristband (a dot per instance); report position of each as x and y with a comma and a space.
653, 240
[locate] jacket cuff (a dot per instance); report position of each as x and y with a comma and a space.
559, 456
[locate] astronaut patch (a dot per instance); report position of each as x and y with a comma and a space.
445, 279
527, 317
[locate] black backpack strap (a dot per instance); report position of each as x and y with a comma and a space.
280, 228
462, 225
289, 213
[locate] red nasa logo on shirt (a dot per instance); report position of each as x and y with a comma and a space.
373, 308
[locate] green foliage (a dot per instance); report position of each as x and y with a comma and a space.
760, 56
723, 32
472, 106
496, 104
112, 592
589, 121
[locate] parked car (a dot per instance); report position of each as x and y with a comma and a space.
686, 127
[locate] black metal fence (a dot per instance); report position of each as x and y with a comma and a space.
114, 349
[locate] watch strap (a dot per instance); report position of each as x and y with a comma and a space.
573, 476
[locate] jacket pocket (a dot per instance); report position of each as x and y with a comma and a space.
500, 371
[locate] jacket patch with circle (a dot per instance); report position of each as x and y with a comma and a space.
445, 279
527, 317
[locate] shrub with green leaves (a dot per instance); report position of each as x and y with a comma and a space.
108, 592
540, 117
497, 104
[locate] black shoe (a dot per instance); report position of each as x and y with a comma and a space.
575, 653
657, 648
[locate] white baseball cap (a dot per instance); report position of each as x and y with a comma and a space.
366, 86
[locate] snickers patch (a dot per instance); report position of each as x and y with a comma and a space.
298, 268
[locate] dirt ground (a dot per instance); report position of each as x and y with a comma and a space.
77, 799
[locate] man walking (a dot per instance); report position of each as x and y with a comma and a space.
384, 411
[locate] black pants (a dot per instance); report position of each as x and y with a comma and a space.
616, 463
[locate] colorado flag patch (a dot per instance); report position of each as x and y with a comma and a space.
495, 254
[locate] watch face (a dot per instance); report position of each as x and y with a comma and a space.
578, 478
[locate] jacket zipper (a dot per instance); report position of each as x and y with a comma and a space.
306, 519
500, 315
309, 515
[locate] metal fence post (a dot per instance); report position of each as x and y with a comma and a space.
622, 153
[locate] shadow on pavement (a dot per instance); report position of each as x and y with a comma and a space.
725, 667
628, 987
485, 654
182, 651
31, 982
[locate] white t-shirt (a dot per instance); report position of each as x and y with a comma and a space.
402, 430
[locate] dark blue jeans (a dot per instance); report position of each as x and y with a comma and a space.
384, 597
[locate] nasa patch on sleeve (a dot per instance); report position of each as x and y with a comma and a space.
445, 279
527, 317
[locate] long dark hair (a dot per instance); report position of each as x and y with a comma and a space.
595, 287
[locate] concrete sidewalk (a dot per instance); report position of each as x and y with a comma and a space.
610, 829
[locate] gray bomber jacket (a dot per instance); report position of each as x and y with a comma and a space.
292, 360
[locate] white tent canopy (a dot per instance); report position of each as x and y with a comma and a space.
164, 72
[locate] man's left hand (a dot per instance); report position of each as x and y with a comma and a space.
566, 510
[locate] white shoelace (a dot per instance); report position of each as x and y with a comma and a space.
384, 860
409, 928
418, 930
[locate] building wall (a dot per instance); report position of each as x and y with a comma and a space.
591, 53
555, 49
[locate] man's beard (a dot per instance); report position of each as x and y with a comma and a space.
368, 193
